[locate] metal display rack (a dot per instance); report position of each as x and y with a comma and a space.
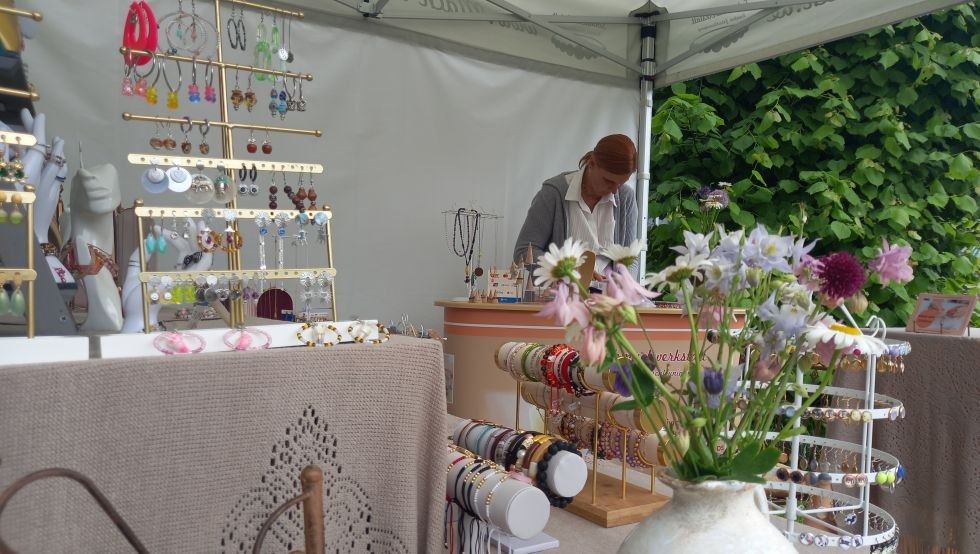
229, 163
848, 521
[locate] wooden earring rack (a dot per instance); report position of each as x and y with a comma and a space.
230, 163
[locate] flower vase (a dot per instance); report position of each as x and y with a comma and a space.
712, 516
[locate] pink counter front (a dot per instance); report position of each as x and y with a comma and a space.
478, 389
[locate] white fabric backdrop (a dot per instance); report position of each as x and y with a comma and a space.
409, 131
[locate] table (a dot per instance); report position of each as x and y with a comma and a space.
477, 389
195, 451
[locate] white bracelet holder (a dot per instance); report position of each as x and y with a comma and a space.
517, 508
567, 472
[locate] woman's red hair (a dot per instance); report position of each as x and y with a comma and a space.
613, 153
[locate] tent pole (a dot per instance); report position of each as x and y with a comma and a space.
648, 64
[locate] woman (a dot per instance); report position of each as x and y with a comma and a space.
593, 204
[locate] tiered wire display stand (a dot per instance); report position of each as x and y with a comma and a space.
849, 521
229, 162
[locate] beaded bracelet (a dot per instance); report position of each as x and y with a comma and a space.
489, 500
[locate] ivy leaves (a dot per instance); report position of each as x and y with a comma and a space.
873, 136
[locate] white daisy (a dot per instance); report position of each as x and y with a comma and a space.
844, 338
625, 255
685, 269
560, 263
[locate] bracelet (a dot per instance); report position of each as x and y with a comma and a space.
245, 341
489, 500
177, 342
319, 334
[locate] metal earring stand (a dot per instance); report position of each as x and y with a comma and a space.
237, 309
26, 274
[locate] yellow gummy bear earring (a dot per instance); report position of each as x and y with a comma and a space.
172, 101
151, 91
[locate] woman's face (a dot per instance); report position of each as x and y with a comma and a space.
601, 182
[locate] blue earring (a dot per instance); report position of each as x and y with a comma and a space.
151, 244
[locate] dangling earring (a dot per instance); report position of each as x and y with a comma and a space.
172, 102
250, 146
311, 195
127, 82
204, 147
4, 216
209, 94
266, 145
274, 99
242, 175
193, 92
4, 296
253, 174
186, 145
283, 106
221, 185
150, 242
250, 99
273, 193
18, 306
151, 91
156, 142
16, 216
169, 143
140, 85
236, 94
16, 166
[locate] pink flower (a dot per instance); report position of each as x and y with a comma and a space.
593, 349
566, 307
892, 263
807, 270
710, 316
826, 351
621, 286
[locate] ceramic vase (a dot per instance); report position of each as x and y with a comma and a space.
713, 516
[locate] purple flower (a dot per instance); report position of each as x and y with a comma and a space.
892, 263
622, 286
703, 192
623, 374
714, 384
841, 275
714, 381
566, 307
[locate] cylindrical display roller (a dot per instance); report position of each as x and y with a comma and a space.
540, 395
641, 448
486, 492
563, 473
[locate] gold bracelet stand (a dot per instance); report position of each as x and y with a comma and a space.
237, 310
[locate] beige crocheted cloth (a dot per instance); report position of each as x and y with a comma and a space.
195, 451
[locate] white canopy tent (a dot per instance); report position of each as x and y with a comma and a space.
655, 45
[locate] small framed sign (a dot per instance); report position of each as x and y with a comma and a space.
942, 314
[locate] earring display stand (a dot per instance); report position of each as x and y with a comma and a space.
25, 274
849, 521
230, 164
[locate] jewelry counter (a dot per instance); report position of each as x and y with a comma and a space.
479, 390
195, 451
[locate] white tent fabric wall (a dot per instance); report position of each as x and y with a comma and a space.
409, 132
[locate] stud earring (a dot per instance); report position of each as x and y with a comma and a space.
251, 146
209, 94
236, 94
193, 91
204, 147
266, 145
185, 146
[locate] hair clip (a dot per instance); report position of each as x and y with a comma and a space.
179, 342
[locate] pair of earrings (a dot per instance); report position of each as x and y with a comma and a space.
15, 216
134, 84
250, 189
252, 146
153, 243
13, 303
194, 91
248, 97
279, 101
168, 143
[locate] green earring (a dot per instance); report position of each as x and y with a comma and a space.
4, 299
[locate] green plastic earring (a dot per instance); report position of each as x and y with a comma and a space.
18, 306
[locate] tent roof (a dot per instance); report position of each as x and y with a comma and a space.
602, 37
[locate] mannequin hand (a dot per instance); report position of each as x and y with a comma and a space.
596, 276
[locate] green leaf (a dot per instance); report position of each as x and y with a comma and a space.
972, 130
788, 186
965, 203
888, 58
963, 266
626, 405
868, 152
753, 461
743, 142
800, 64
906, 96
743, 218
735, 74
673, 130
841, 230
960, 167
817, 187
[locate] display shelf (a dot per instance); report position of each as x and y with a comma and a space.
848, 514
21, 139
886, 469
224, 65
228, 163
26, 274
224, 124
240, 213
185, 276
